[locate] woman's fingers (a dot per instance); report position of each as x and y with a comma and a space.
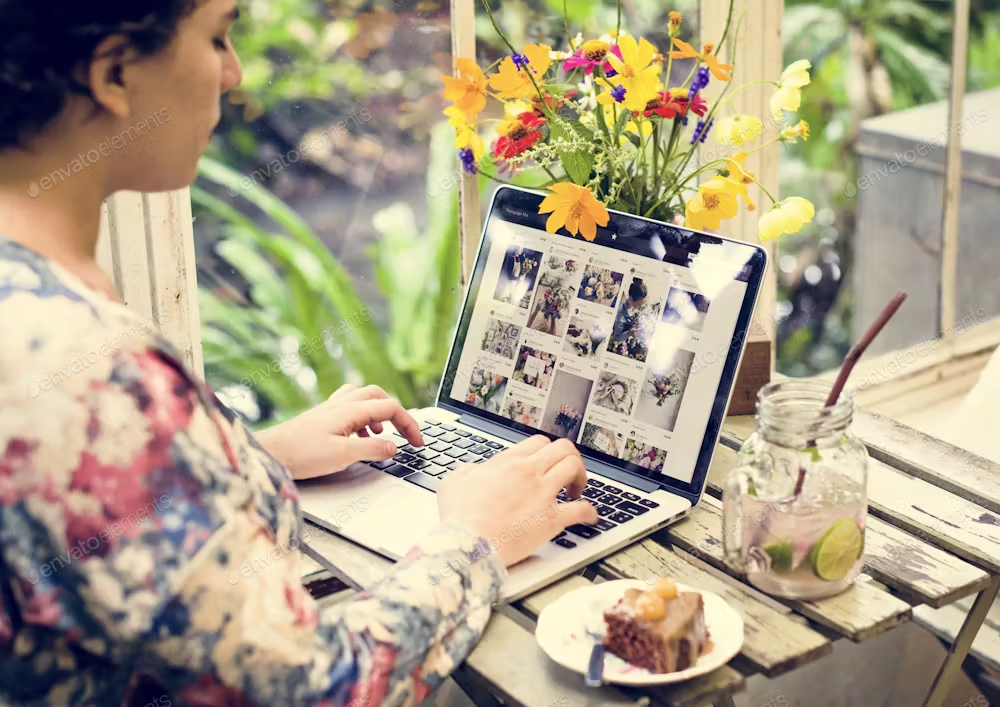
527, 447
548, 456
568, 473
368, 449
374, 412
341, 392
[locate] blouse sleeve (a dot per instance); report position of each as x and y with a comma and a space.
132, 535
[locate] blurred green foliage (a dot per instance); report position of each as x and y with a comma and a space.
310, 59
307, 331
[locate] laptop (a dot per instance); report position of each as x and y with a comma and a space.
628, 345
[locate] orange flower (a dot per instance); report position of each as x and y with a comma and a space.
468, 90
723, 72
575, 208
511, 82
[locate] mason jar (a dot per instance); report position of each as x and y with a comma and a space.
795, 506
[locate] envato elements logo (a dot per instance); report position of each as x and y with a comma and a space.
115, 530
318, 342
874, 176
313, 143
80, 361
264, 561
91, 157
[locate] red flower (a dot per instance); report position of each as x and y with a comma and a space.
672, 104
518, 134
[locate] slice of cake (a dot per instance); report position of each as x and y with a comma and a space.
660, 630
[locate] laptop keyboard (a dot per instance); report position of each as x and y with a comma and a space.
449, 446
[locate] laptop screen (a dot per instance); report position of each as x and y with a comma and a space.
620, 344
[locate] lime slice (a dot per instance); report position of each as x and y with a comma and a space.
837, 551
780, 554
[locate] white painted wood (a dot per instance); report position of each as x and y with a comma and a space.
463, 46
756, 27
953, 168
146, 245
127, 229
173, 278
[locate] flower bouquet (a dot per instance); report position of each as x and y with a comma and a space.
484, 387
567, 420
661, 386
601, 120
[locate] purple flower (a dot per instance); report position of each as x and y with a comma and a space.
468, 160
699, 82
618, 93
520, 60
701, 131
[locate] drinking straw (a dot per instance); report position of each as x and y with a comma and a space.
848, 365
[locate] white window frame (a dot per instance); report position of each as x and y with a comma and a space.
147, 240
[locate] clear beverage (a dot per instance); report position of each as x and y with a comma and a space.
808, 548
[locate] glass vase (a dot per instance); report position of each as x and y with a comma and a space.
795, 506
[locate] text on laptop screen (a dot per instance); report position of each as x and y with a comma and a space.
621, 353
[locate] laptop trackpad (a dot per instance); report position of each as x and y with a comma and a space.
396, 519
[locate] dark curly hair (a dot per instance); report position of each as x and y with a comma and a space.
44, 42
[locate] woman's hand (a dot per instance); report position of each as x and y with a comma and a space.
510, 500
320, 441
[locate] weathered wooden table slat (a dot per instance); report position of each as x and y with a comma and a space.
955, 470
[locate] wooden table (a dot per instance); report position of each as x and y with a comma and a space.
932, 542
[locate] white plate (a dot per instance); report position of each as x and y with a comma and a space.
562, 633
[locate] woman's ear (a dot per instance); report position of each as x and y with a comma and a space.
107, 76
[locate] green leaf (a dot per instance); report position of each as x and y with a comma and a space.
578, 11
326, 277
813, 453
266, 286
578, 163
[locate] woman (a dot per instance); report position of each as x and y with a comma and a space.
129, 497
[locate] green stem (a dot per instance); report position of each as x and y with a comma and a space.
569, 41
707, 119
763, 188
749, 85
549, 172
729, 19
618, 27
527, 72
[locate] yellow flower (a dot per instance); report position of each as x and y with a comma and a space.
466, 135
723, 72
715, 202
673, 23
575, 208
640, 80
793, 132
739, 129
468, 90
796, 74
789, 93
511, 82
512, 109
740, 178
787, 216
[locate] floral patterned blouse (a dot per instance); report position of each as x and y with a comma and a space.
129, 500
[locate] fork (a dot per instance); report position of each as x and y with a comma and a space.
595, 668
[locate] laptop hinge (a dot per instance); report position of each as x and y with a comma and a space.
598, 467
